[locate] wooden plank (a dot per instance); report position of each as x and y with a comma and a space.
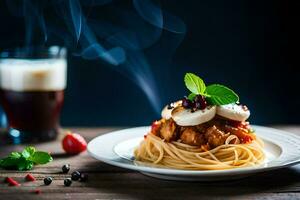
107, 182
280, 181
125, 196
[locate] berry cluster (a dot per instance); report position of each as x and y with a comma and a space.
75, 176
199, 103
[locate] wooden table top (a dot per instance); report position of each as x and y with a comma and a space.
108, 182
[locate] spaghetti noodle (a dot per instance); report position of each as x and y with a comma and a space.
178, 155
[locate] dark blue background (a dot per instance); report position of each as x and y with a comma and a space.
251, 46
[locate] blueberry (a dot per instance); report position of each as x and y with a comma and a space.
66, 168
83, 177
48, 180
186, 103
75, 175
67, 182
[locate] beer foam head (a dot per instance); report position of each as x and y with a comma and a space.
33, 75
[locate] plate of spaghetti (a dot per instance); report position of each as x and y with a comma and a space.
205, 136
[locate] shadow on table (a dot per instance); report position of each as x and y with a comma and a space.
135, 185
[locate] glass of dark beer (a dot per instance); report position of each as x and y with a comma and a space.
32, 84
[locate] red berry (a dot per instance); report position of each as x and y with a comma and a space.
74, 143
29, 177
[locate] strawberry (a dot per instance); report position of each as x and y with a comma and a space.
73, 143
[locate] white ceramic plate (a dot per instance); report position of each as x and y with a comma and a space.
116, 148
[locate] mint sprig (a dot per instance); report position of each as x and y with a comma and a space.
194, 83
215, 94
25, 160
221, 95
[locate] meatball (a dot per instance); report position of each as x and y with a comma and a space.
191, 137
215, 137
168, 130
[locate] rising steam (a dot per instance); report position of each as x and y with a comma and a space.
120, 39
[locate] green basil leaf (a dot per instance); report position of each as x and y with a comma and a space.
24, 164
25, 160
9, 162
194, 83
15, 155
220, 95
41, 157
28, 151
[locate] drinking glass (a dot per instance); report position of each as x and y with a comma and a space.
32, 84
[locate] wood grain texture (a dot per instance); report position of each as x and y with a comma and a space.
107, 182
